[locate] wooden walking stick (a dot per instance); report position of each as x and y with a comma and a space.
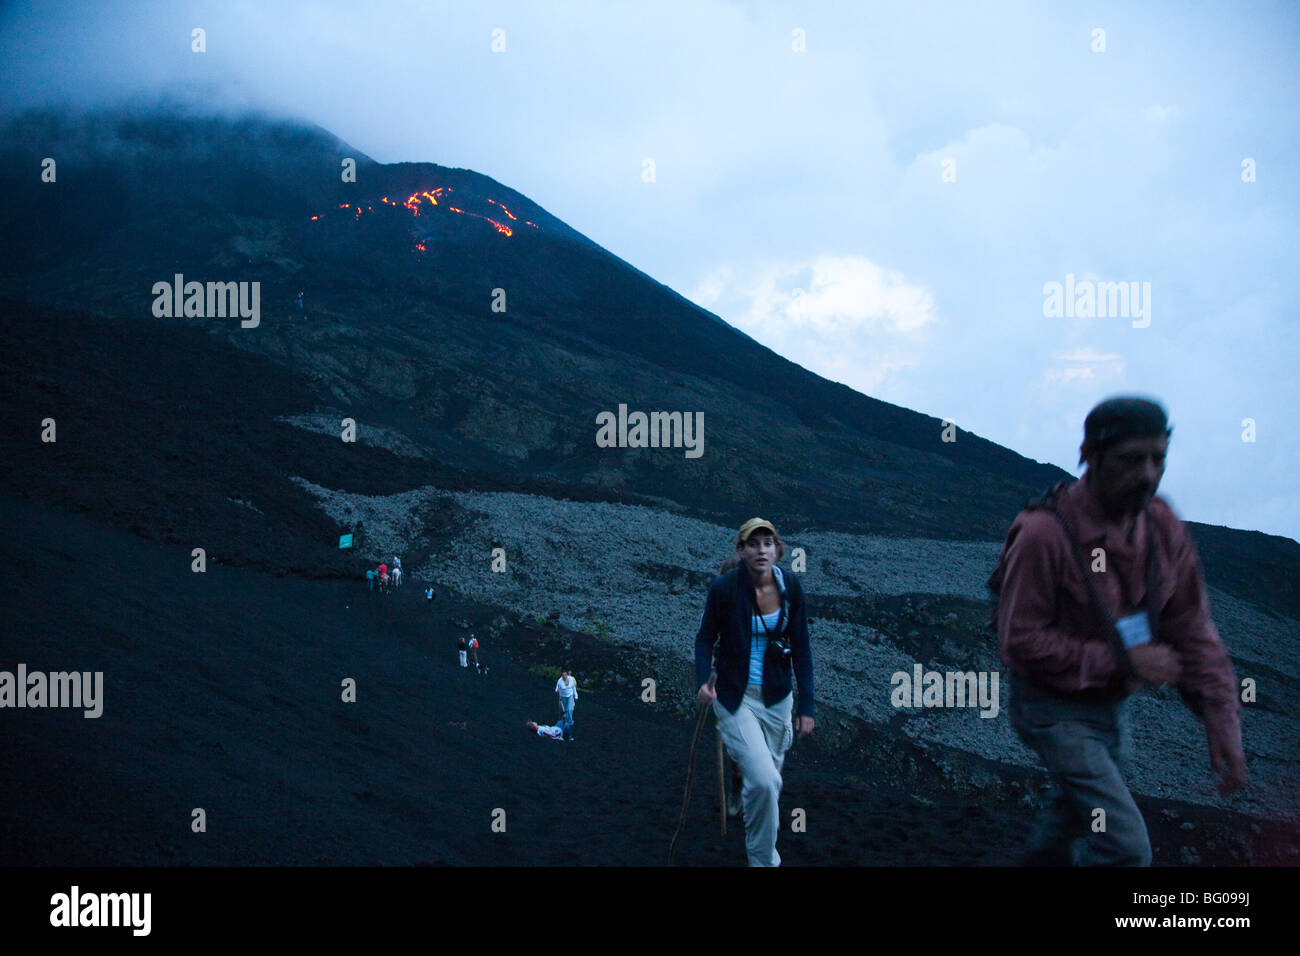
722, 787
690, 776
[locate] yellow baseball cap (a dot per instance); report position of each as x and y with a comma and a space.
755, 524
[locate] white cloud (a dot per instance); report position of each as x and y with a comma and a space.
1090, 355
843, 317
1085, 365
1101, 166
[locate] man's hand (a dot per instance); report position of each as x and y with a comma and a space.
1227, 760
706, 694
805, 726
1155, 663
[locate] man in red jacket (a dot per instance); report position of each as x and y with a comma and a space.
1080, 633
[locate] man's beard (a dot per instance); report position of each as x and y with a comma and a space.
1135, 501
1129, 504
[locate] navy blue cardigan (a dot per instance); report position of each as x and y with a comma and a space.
728, 616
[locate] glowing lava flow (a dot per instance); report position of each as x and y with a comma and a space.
413, 201
417, 201
501, 227
512, 216
504, 209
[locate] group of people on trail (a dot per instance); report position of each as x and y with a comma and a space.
385, 577
467, 651
388, 578
1078, 635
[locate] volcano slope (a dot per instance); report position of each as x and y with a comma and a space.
492, 351
474, 432
223, 690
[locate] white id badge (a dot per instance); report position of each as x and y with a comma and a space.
1134, 630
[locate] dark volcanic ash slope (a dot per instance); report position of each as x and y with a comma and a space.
222, 690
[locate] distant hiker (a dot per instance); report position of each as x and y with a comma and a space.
396, 573
473, 652
1099, 590
462, 648
428, 597
558, 732
756, 616
566, 692
383, 569
371, 576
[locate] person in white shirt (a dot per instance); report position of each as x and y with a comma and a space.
566, 690
558, 732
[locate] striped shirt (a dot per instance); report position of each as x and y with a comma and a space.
758, 643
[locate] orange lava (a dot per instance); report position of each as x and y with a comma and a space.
417, 200
504, 210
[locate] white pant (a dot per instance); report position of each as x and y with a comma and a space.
463, 662
757, 738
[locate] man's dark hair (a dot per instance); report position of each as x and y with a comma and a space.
1120, 418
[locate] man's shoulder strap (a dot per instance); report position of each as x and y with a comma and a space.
1044, 502
1048, 499
1099, 608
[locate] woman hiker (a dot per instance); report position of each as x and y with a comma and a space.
756, 619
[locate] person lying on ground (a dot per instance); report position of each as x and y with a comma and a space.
561, 731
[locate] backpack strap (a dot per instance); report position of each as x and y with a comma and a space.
1153, 578
1099, 608
1152, 601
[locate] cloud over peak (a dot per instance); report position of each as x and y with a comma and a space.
842, 316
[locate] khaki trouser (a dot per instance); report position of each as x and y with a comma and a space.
1085, 746
757, 738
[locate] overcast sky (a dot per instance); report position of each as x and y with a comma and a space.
880, 192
